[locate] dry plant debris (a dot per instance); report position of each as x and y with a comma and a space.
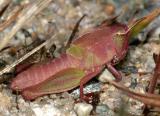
61, 19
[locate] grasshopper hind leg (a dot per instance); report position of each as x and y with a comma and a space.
115, 73
85, 79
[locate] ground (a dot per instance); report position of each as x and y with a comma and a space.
59, 18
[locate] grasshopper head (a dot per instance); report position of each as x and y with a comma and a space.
121, 39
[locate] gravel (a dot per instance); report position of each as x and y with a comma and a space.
60, 17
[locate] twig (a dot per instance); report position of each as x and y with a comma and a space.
9, 67
26, 15
153, 80
4, 9
149, 99
11, 19
156, 74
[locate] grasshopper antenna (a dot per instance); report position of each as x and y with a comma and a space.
73, 33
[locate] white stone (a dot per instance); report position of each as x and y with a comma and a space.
83, 109
106, 75
46, 110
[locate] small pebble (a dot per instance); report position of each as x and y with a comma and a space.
102, 109
106, 75
83, 109
5, 101
1, 2
110, 9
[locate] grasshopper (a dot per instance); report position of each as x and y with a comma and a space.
87, 56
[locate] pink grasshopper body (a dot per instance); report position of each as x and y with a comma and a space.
104, 46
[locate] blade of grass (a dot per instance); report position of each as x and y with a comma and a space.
4, 9
9, 67
25, 16
11, 19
